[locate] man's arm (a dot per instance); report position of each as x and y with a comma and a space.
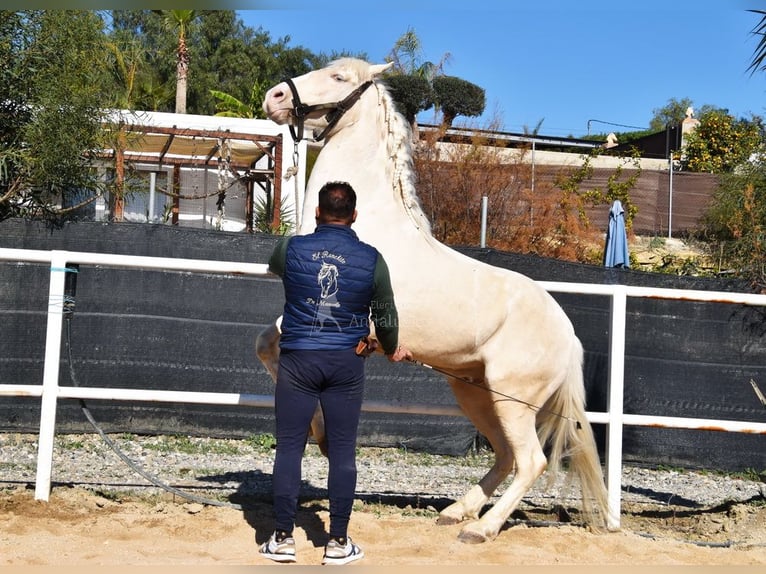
279, 257
383, 309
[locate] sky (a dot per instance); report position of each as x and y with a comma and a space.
572, 67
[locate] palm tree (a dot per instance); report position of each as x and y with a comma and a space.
407, 56
180, 20
759, 54
127, 59
231, 107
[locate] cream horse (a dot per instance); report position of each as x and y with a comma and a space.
514, 361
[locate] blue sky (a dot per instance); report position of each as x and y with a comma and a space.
572, 64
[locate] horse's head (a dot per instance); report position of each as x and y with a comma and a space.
323, 98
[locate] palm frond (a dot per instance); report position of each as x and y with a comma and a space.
758, 62
229, 106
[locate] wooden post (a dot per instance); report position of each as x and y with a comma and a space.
249, 192
176, 193
118, 203
276, 219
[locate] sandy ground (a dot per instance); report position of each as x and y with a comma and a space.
78, 527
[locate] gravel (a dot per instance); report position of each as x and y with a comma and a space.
227, 471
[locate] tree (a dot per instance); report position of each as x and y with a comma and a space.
453, 96
411, 78
407, 56
230, 107
411, 94
546, 216
671, 114
125, 63
180, 21
720, 142
458, 97
224, 56
52, 90
735, 224
228, 58
141, 81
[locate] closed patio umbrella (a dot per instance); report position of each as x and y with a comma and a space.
616, 249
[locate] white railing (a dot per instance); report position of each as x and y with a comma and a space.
614, 418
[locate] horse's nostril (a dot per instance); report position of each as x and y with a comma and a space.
278, 94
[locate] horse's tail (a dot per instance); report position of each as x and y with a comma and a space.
564, 427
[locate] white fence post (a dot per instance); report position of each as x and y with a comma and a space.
615, 404
51, 374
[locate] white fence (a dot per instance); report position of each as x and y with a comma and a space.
613, 418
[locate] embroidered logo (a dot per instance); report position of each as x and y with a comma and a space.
327, 279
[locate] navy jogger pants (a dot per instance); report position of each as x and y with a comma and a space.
335, 380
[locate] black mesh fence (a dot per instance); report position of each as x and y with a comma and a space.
168, 330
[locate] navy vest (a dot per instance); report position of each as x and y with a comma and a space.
329, 283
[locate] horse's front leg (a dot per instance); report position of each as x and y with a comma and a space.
267, 350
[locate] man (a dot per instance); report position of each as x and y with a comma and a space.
334, 284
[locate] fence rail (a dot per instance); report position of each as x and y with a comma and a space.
614, 418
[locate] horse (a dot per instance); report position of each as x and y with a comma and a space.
507, 349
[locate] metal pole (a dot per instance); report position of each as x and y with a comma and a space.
533, 166
532, 209
670, 198
484, 221
152, 194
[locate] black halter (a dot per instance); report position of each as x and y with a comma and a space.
335, 110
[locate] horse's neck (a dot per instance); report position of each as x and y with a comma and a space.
360, 155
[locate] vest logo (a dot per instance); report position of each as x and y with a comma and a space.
327, 279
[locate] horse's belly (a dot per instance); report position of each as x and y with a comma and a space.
466, 312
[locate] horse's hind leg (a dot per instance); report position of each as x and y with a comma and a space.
478, 405
267, 350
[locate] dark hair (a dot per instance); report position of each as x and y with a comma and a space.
337, 201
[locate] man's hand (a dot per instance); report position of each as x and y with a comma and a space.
366, 347
401, 354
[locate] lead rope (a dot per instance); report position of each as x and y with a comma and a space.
292, 172
365, 348
468, 381
224, 166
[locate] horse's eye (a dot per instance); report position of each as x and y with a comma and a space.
338, 77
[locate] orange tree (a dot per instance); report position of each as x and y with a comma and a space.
721, 142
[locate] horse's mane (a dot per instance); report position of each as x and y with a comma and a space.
399, 146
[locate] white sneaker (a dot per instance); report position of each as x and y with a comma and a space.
283, 551
337, 553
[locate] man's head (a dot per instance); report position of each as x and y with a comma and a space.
337, 203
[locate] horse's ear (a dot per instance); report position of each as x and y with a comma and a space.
377, 69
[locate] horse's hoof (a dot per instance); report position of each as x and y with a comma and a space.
453, 514
471, 537
445, 520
